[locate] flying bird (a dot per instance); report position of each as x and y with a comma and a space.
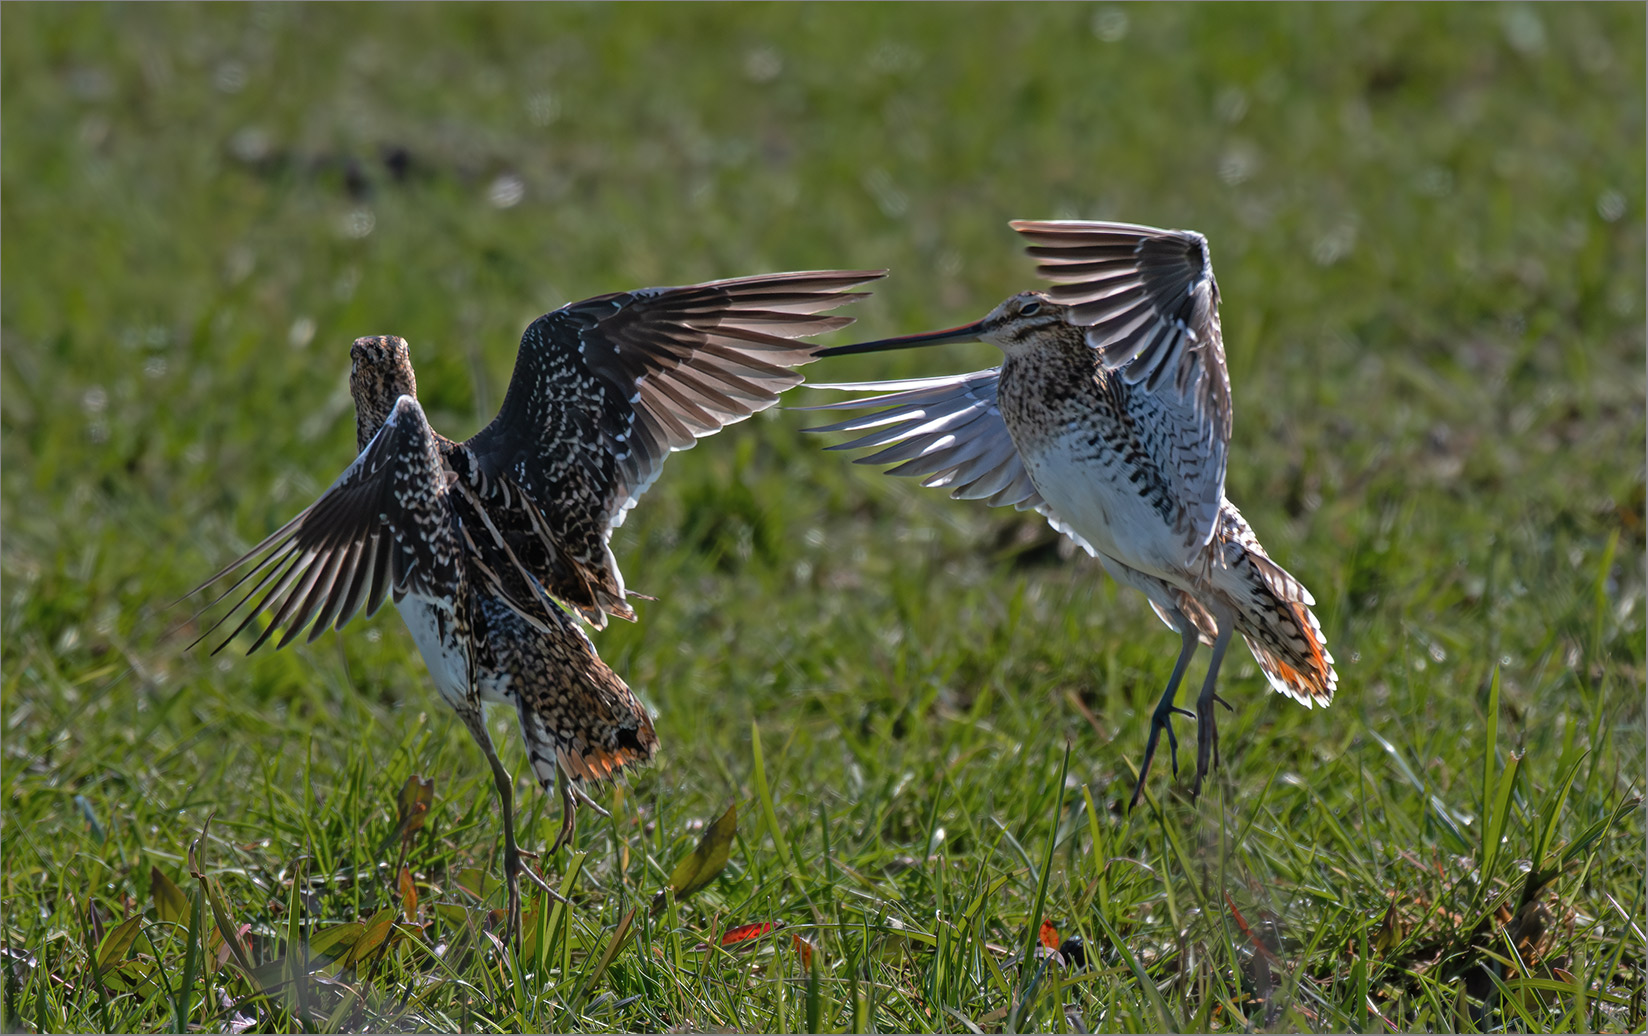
476, 541
1110, 415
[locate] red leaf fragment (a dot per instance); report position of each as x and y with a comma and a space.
804, 947
1049, 935
745, 932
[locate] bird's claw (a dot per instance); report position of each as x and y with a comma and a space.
1207, 740
513, 866
564, 836
543, 886
583, 796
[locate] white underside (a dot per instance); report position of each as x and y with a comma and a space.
1112, 516
447, 661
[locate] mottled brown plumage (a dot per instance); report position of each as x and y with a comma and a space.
476, 540
1110, 415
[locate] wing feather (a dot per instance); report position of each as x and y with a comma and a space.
605, 389
383, 525
948, 432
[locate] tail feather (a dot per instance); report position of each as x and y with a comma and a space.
591, 737
576, 714
1273, 615
1291, 651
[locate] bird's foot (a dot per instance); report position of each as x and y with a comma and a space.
569, 824
1207, 740
569, 814
514, 867
512, 914
572, 796
1160, 720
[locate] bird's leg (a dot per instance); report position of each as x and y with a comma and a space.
569, 811
1162, 718
1207, 729
501, 780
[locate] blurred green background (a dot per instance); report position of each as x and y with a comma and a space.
1428, 227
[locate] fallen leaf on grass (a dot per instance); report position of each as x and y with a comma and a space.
411, 808
1389, 933
340, 936
375, 933
169, 901
705, 862
114, 945
473, 880
136, 976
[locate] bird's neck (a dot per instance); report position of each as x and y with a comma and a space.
1049, 383
372, 409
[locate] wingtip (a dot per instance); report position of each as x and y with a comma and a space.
1053, 227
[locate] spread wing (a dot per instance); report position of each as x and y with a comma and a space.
383, 526
946, 431
605, 389
1150, 305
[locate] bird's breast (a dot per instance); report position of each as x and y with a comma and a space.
1105, 493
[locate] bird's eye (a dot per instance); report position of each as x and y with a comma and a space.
1029, 309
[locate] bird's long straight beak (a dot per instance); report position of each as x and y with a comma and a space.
965, 333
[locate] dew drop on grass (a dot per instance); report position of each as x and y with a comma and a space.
1523, 30
543, 108
1238, 163
359, 223
1231, 104
763, 64
302, 333
1434, 181
1110, 24
250, 144
506, 191
238, 264
230, 77
1335, 244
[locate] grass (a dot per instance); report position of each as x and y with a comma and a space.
1428, 226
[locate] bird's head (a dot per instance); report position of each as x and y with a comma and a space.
380, 372
1015, 326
